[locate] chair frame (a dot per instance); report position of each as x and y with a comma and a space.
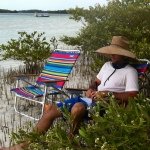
42, 102
47, 84
145, 78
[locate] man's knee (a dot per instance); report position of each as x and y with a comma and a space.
52, 112
78, 108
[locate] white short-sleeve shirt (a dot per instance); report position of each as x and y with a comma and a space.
124, 79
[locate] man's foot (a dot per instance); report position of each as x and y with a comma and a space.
71, 136
15, 147
47, 107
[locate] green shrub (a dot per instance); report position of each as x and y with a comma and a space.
119, 17
121, 128
29, 48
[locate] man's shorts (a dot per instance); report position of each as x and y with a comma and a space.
87, 102
68, 103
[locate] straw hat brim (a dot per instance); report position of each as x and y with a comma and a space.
113, 49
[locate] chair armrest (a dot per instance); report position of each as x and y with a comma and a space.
23, 78
23, 75
53, 81
76, 89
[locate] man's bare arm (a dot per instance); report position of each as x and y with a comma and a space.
122, 97
125, 96
90, 93
95, 84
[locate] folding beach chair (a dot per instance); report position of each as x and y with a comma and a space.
50, 81
142, 68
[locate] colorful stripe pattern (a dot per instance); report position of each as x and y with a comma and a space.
58, 67
141, 68
29, 92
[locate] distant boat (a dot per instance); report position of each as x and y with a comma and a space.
41, 15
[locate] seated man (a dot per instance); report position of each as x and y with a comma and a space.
116, 77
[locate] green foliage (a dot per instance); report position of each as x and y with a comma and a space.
120, 128
29, 48
120, 17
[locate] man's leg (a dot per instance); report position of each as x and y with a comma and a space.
47, 119
78, 112
42, 126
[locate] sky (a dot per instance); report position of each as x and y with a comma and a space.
48, 4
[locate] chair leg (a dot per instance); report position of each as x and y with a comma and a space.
15, 104
44, 100
26, 115
42, 108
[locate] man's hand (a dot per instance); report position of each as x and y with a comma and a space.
100, 95
90, 93
96, 95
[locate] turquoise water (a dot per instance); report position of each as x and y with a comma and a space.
55, 25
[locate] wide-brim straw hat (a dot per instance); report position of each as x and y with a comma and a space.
119, 46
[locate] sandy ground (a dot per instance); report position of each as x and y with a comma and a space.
11, 121
7, 64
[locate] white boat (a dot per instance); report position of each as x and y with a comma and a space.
41, 15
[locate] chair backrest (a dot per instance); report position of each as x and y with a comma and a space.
142, 67
58, 67
144, 76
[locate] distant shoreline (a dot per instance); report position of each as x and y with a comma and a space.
34, 11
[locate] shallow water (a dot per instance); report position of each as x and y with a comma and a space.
56, 25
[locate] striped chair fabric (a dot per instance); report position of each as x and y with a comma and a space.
58, 67
141, 68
